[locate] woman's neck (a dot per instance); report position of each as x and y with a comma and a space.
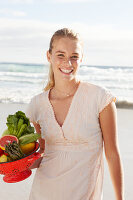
66, 86
65, 89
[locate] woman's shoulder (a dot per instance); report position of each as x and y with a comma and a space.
94, 87
99, 95
39, 96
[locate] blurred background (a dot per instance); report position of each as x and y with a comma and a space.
26, 26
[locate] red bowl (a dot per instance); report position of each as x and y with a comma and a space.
15, 171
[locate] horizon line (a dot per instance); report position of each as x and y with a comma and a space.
92, 65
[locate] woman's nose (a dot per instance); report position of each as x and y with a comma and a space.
67, 62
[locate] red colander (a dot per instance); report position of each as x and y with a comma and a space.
15, 171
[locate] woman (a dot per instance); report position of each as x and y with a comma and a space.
74, 119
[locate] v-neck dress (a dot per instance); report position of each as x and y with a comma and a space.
72, 166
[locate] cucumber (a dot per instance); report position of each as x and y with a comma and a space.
25, 139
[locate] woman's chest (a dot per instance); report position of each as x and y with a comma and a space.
73, 119
61, 109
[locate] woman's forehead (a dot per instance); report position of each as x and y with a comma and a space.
66, 44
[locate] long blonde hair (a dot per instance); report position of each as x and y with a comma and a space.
65, 32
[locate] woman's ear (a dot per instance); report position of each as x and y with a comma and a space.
48, 56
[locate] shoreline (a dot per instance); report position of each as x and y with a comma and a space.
119, 104
11, 108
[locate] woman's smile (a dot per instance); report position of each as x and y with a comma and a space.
66, 71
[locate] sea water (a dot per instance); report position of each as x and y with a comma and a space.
20, 82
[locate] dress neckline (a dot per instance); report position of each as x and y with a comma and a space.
69, 110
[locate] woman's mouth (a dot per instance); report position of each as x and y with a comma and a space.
66, 71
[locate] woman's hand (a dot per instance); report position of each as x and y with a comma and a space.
108, 122
36, 164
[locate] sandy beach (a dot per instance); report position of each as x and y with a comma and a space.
21, 190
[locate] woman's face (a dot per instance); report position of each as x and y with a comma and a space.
65, 58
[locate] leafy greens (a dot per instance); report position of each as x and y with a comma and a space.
18, 124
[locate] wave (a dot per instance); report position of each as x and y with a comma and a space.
108, 67
27, 67
15, 67
18, 79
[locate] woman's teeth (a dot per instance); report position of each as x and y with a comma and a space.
66, 71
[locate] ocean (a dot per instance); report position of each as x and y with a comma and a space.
20, 82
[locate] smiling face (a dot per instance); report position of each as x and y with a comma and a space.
65, 58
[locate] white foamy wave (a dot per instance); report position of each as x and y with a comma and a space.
19, 82
15, 67
25, 78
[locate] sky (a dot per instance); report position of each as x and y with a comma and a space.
105, 26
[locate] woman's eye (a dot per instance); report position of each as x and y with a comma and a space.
74, 57
61, 55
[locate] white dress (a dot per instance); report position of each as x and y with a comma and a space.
72, 166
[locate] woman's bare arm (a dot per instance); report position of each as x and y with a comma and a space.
36, 164
108, 122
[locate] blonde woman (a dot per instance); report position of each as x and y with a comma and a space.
75, 118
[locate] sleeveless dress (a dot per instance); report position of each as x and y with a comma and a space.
72, 166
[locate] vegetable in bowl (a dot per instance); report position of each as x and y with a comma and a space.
19, 130
18, 125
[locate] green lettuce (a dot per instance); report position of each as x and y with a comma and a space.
18, 125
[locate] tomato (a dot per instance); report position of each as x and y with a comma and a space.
6, 154
1, 152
